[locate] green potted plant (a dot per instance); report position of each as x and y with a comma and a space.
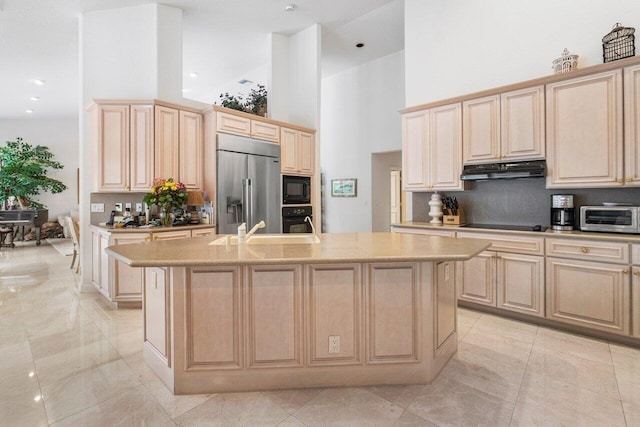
231, 101
257, 101
23, 173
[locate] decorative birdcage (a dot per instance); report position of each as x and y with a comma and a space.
567, 62
619, 43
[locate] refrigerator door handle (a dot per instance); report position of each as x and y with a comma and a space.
247, 211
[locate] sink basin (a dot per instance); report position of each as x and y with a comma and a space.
270, 239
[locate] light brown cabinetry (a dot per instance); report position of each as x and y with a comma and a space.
126, 283
635, 302
123, 137
512, 280
584, 131
297, 152
481, 129
100, 262
632, 125
179, 146
244, 126
432, 149
445, 305
171, 235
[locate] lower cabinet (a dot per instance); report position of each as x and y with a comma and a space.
100, 263
445, 306
590, 294
635, 302
126, 283
513, 282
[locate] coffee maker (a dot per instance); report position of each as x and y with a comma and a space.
563, 212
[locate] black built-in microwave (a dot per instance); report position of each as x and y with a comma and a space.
296, 190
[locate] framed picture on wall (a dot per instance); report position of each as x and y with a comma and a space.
344, 187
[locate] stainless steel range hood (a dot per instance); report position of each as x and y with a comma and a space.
531, 169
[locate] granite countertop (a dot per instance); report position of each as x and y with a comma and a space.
549, 233
352, 247
112, 229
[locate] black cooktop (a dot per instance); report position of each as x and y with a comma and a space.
507, 227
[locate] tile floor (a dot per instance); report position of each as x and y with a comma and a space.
70, 360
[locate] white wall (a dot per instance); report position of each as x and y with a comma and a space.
456, 47
359, 117
257, 76
61, 136
304, 77
278, 77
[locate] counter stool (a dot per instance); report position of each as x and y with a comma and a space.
4, 232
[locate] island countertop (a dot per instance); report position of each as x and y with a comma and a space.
348, 247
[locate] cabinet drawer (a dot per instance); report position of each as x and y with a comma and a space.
170, 235
203, 232
510, 243
589, 250
266, 131
425, 231
228, 123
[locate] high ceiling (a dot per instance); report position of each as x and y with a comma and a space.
222, 40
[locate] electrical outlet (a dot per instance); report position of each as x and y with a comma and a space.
334, 344
127, 206
118, 207
138, 207
97, 207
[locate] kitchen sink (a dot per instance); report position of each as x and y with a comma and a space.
270, 239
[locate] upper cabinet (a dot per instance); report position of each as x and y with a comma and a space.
481, 129
504, 127
123, 138
179, 146
432, 149
584, 131
238, 124
522, 124
632, 125
297, 152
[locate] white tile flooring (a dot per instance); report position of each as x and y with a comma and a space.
70, 360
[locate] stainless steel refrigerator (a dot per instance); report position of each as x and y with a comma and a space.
248, 185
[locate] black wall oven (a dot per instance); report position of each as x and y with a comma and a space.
293, 219
296, 190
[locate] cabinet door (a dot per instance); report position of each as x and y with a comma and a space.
445, 302
142, 147
522, 124
288, 150
266, 131
445, 147
191, 150
481, 129
306, 153
96, 270
632, 125
104, 267
590, 294
520, 283
166, 138
477, 279
171, 235
414, 151
230, 123
127, 281
584, 131
113, 147
635, 302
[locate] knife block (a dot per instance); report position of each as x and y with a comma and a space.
453, 219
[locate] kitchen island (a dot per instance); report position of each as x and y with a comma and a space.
352, 309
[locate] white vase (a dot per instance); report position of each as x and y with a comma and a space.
435, 209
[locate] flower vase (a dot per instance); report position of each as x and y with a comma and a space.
165, 216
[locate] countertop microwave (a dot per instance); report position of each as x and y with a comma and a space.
610, 219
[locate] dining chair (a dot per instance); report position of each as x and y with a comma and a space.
74, 230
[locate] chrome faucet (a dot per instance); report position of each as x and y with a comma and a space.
308, 219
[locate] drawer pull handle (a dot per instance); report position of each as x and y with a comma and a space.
619, 180
636, 273
625, 271
585, 250
629, 179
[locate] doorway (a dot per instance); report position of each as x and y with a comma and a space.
382, 164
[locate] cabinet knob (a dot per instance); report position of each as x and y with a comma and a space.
625, 271
619, 180
629, 179
636, 273
584, 250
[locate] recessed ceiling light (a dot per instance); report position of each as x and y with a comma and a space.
34, 98
359, 45
39, 82
29, 111
193, 74
290, 7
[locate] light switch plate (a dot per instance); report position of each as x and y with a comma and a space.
97, 207
138, 207
118, 207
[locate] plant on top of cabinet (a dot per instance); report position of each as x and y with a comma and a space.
231, 101
256, 102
